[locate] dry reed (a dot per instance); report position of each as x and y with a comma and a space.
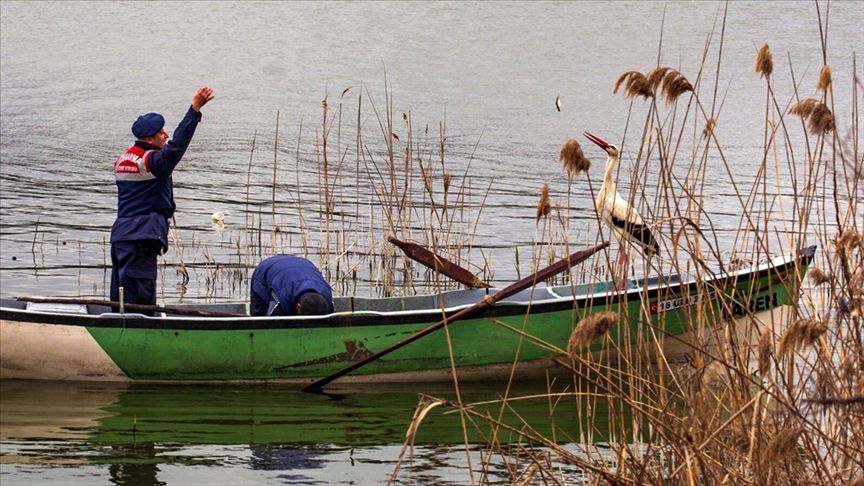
819, 118
765, 352
573, 158
656, 77
544, 207
722, 424
848, 240
709, 127
764, 62
804, 332
589, 329
818, 277
782, 446
635, 84
674, 85
824, 79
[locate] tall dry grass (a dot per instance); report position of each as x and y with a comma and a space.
777, 402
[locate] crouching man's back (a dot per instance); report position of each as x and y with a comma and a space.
286, 285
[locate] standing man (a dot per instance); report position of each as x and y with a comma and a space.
285, 285
145, 200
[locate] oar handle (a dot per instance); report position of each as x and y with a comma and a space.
487, 301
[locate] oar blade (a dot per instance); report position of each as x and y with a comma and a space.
439, 264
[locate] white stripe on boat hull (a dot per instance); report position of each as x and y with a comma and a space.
53, 352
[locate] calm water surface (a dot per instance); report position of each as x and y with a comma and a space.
73, 76
77, 433
72, 80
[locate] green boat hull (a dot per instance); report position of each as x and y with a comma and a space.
527, 329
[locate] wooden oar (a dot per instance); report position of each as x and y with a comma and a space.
439, 264
488, 301
129, 307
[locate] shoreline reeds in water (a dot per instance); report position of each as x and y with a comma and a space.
788, 409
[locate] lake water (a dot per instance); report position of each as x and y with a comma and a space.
73, 76
77, 433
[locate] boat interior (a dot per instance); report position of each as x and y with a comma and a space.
450, 300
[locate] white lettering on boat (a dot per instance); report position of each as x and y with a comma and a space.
759, 304
667, 305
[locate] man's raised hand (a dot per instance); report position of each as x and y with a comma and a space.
201, 97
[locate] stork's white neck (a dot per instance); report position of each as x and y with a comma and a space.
608, 186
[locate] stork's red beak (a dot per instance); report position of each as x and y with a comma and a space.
599, 141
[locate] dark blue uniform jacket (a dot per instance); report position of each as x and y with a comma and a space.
145, 194
288, 277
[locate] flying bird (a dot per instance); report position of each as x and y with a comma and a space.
558, 103
626, 223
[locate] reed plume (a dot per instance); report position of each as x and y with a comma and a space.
842, 307
712, 374
782, 446
709, 127
856, 307
589, 329
764, 352
544, 207
635, 84
656, 76
764, 62
674, 85
803, 332
824, 79
574, 159
818, 277
848, 239
851, 369
856, 282
818, 117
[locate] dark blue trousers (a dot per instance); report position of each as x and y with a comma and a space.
133, 267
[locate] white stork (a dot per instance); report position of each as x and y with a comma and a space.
625, 222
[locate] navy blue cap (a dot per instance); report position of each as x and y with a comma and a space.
148, 124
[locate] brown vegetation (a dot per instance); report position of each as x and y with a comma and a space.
782, 403
573, 158
635, 84
589, 329
764, 62
544, 207
819, 118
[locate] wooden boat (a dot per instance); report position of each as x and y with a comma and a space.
90, 342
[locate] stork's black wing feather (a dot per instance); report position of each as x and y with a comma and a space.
640, 233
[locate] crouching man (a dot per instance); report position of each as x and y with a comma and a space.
285, 285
